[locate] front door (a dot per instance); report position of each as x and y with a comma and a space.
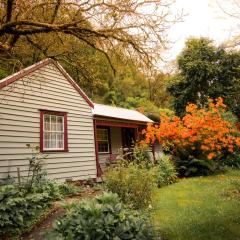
128, 137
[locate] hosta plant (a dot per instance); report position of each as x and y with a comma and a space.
103, 217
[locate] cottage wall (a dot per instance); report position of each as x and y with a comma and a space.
47, 89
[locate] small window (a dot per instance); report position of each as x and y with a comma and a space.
103, 140
53, 131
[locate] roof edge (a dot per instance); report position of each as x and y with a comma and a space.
97, 116
22, 73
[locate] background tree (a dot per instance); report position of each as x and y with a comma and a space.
106, 46
138, 26
205, 70
231, 9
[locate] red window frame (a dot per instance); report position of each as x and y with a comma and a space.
64, 114
109, 139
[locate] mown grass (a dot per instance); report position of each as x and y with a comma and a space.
201, 208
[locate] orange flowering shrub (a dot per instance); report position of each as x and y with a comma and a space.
203, 131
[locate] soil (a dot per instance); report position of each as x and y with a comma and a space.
36, 233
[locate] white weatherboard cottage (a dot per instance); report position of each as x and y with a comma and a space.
43, 106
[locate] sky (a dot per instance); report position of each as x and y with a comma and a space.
203, 18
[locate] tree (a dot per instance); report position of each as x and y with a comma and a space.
137, 26
158, 88
231, 8
205, 70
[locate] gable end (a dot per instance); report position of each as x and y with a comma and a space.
11, 79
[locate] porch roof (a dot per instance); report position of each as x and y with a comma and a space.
119, 113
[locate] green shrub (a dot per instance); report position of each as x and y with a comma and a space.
51, 187
132, 183
189, 166
36, 172
141, 156
103, 217
232, 160
67, 189
165, 171
18, 209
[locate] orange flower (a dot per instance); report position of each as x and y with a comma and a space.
201, 128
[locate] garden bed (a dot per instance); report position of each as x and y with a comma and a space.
55, 213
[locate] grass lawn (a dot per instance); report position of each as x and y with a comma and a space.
201, 208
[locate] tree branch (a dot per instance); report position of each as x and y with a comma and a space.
9, 10
56, 10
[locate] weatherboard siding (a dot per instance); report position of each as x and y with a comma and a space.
20, 102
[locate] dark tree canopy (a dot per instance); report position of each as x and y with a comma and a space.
205, 70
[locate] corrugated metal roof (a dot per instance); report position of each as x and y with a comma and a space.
120, 113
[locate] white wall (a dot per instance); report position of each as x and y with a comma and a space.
20, 102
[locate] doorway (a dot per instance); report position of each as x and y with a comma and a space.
128, 137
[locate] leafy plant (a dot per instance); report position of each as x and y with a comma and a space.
141, 155
133, 184
165, 171
19, 208
8, 180
69, 189
35, 168
232, 160
103, 217
51, 187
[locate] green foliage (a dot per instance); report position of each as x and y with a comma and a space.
35, 168
168, 112
19, 208
67, 189
8, 180
165, 171
50, 187
188, 166
133, 184
103, 217
141, 156
56, 190
232, 160
206, 71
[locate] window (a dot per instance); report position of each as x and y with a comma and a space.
53, 132
103, 140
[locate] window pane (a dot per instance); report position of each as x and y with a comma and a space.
46, 140
53, 122
53, 140
53, 135
103, 147
59, 140
59, 124
102, 134
47, 122
102, 138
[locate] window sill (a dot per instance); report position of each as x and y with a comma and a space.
46, 151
